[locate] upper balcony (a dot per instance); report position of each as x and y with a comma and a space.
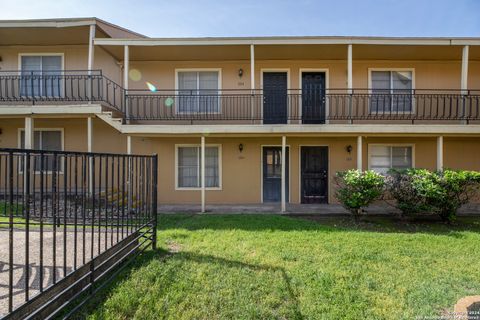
267, 106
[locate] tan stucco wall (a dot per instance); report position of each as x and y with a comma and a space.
428, 74
106, 139
75, 58
242, 172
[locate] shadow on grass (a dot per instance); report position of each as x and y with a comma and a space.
171, 277
265, 222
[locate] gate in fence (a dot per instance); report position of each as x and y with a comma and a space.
67, 221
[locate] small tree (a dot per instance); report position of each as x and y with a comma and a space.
357, 190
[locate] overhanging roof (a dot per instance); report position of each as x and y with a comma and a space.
58, 31
290, 40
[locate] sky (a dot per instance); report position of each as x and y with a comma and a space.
203, 18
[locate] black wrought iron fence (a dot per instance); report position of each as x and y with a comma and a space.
66, 220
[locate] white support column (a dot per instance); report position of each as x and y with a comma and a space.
29, 136
350, 81
91, 50
129, 144
252, 67
440, 153
126, 66
349, 68
359, 153
202, 172
90, 149
252, 81
284, 173
89, 134
91, 36
464, 79
29, 132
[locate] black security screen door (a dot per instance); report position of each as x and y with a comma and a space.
272, 174
313, 97
274, 97
314, 174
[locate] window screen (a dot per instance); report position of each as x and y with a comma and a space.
391, 91
189, 171
41, 76
384, 158
198, 92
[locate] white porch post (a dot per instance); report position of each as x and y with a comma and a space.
284, 172
28, 144
464, 82
129, 144
29, 133
91, 36
89, 134
90, 149
202, 172
464, 79
349, 69
126, 66
359, 153
350, 81
252, 81
440, 153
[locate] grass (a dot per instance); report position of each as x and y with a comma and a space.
277, 267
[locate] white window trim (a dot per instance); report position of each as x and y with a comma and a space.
289, 183
219, 146
370, 88
327, 87
45, 54
62, 142
370, 145
219, 87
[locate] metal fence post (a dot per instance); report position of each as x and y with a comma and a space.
154, 200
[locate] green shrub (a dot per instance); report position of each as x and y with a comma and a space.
356, 190
442, 193
402, 186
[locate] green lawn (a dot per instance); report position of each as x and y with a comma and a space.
277, 267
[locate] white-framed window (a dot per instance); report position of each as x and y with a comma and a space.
188, 169
45, 139
41, 75
198, 91
391, 91
382, 158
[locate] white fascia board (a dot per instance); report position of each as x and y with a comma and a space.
280, 41
46, 24
9, 110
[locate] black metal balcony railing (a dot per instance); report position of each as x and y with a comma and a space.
56, 87
239, 106
295, 106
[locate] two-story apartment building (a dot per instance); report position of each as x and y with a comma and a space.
241, 120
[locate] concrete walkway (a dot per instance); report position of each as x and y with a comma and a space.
301, 209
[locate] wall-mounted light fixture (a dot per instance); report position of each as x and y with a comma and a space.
240, 147
240, 72
349, 148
